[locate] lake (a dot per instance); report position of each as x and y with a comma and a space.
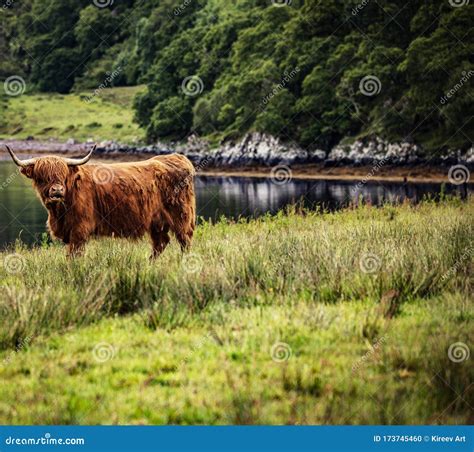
22, 215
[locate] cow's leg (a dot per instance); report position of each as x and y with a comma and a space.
75, 249
184, 237
186, 232
77, 240
160, 238
183, 230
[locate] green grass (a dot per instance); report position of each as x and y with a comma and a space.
114, 338
108, 116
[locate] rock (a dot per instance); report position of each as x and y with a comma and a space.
259, 149
318, 155
469, 157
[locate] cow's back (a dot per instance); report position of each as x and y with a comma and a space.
130, 195
175, 163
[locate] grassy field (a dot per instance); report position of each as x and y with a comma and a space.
105, 116
360, 316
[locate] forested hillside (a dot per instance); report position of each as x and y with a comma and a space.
312, 71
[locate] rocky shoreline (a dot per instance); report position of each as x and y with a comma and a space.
260, 150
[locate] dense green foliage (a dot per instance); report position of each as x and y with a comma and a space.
293, 71
190, 339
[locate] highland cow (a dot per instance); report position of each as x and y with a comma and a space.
155, 196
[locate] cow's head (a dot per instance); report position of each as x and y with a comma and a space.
50, 174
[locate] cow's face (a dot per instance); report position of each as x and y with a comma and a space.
49, 176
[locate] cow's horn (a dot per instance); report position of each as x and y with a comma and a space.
76, 162
19, 162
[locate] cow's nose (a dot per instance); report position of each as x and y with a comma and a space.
56, 191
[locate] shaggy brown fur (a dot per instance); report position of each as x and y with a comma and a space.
155, 196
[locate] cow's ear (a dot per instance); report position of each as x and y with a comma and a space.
73, 170
76, 177
27, 171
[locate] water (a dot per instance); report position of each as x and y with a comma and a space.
23, 216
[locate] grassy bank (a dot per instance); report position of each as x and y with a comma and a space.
105, 116
345, 317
